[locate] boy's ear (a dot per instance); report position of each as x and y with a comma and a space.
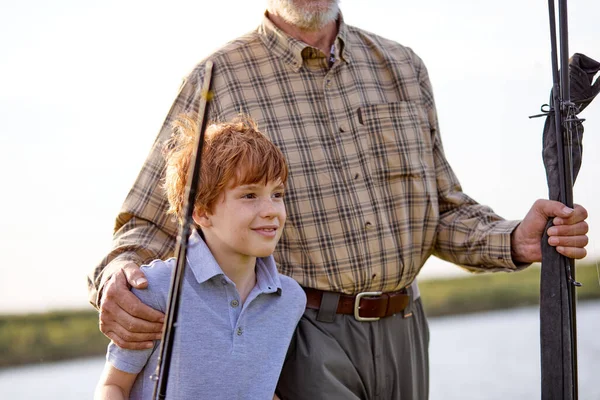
201, 218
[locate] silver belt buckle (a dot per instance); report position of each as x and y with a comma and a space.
357, 306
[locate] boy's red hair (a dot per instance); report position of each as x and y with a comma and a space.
235, 153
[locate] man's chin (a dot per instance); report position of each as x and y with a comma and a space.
312, 17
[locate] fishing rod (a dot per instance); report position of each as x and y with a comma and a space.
566, 123
161, 374
563, 381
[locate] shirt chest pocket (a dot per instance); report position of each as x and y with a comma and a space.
392, 137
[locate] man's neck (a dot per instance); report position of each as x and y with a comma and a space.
321, 39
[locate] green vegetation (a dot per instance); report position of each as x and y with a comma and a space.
485, 292
47, 337
69, 334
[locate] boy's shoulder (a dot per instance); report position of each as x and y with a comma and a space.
158, 270
289, 282
292, 290
158, 274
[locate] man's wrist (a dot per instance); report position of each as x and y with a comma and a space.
516, 248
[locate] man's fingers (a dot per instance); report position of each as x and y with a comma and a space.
562, 214
576, 253
125, 330
122, 309
135, 323
551, 208
124, 338
124, 318
134, 275
578, 229
137, 311
568, 241
123, 306
569, 233
120, 294
579, 214
131, 345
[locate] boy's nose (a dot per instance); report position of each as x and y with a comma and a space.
268, 208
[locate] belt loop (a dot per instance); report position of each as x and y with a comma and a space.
408, 311
328, 308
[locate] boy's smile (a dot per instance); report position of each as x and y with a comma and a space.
267, 230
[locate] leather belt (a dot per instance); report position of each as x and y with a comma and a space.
366, 306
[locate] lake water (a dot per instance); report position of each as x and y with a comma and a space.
481, 356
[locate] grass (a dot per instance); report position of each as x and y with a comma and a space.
64, 335
55, 336
484, 292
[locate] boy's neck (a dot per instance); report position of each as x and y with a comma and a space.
244, 277
240, 269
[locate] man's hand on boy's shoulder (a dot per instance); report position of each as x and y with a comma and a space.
124, 319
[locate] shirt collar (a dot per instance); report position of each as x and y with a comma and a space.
290, 49
204, 266
267, 276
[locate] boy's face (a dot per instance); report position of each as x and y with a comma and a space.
246, 220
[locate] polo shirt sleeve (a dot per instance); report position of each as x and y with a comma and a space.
158, 274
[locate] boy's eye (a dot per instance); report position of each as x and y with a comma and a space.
278, 194
248, 196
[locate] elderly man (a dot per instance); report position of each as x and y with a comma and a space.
371, 196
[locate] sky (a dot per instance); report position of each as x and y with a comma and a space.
85, 86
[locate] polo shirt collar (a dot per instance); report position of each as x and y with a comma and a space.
290, 49
204, 266
267, 276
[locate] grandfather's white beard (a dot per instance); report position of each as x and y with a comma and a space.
306, 17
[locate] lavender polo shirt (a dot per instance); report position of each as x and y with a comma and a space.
222, 349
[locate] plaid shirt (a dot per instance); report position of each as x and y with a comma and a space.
370, 194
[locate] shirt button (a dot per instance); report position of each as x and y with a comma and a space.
239, 331
328, 84
368, 225
343, 128
356, 175
234, 303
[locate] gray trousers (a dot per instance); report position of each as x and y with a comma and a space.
346, 359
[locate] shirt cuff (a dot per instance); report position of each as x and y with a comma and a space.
498, 257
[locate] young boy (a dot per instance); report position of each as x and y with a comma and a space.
237, 313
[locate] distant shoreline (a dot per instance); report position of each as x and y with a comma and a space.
62, 335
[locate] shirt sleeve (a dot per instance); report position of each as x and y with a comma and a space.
143, 230
468, 234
